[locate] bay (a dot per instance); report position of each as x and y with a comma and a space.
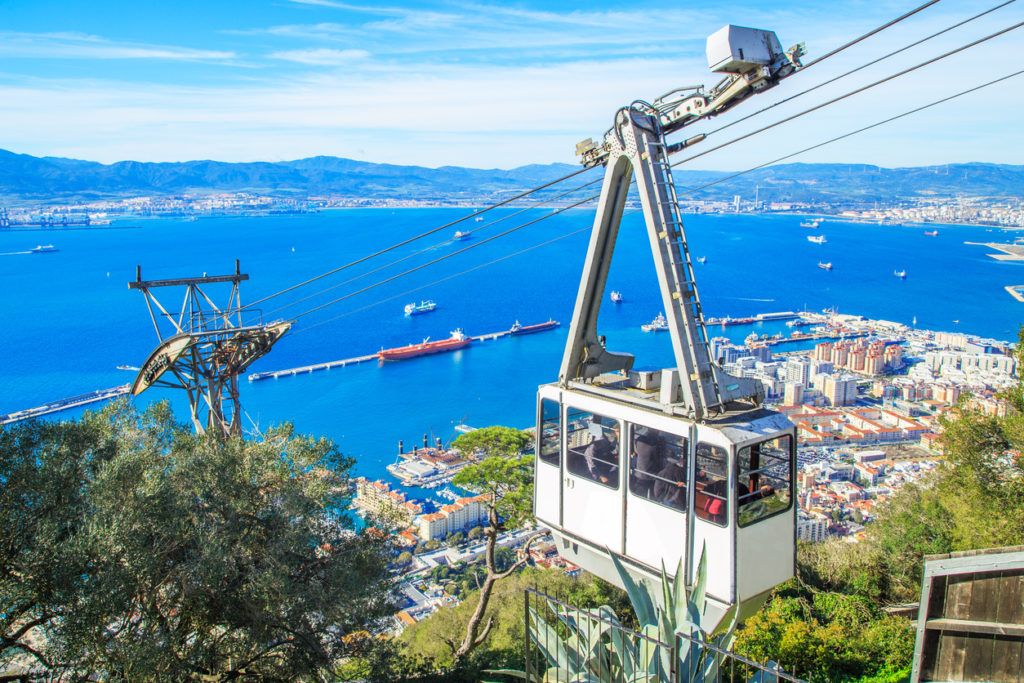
70, 319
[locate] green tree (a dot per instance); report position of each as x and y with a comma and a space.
506, 477
404, 557
455, 539
476, 533
183, 556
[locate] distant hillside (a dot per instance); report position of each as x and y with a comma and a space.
24, 177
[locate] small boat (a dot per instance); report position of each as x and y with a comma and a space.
43, 249
817, 239
518, 329
901, 274
478, 219
659, 324
423, 307
459, 235
458, 340
809, 224
933, 233
616, 297
702, 259
825, 266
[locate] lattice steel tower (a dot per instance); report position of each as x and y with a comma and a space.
204, 348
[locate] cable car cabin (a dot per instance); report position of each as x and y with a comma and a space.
655, 488
654, 468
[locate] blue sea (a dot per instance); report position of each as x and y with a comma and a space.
70, 319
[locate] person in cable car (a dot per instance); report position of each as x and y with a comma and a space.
602, 455
670, 487
647, 462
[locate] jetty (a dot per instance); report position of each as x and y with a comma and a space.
306, 369
66, 404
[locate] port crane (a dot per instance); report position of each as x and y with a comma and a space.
653, 467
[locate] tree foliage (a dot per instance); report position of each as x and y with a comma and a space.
153, 553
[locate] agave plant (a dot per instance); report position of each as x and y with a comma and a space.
591, 646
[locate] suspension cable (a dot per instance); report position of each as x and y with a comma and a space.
859, 68
537, 205
869, 34
851, 93
686, 192
855, 132
420, 236
447, 277
442, 258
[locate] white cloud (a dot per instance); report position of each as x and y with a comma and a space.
321, 56
81, 46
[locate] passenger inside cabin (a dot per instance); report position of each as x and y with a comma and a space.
646, 460
670, 486
602, 455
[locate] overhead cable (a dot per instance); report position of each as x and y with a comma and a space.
854, 132
533, 207
859, 68
444, 279
442, 258
851, 93
420, 236
869, 34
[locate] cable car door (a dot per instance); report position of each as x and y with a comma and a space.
591, 483
547, 490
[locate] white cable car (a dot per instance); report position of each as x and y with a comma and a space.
654, 466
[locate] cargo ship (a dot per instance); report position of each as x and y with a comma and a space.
423, 307
458, 340
530, 329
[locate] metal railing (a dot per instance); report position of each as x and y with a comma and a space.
565, 642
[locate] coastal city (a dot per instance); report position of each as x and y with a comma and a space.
867, 401
1001, 211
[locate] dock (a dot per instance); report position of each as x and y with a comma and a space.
305, 369
66, 404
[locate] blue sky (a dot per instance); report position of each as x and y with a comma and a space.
489, 85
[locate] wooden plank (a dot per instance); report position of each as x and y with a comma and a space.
1006, 660
958, 597
978, 657
984, 599
979, 627
1012, 594
951, 656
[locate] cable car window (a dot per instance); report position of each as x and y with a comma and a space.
712, 484
657, 466
593, 447
550, 432
764, 479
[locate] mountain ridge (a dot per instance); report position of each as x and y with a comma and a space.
25, 177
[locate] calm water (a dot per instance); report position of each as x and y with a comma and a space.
70, 318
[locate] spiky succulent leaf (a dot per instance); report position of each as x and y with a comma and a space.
643, 606
696, 602
551, 645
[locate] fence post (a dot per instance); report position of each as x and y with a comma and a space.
526, 633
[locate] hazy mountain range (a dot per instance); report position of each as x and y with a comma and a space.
24, 177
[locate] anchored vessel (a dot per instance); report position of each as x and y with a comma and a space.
825, 266
817, 239
659, 324
616, 297
651, 467
901, 274
460, 235
457, 341
518, 329
43, 249
422, 307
